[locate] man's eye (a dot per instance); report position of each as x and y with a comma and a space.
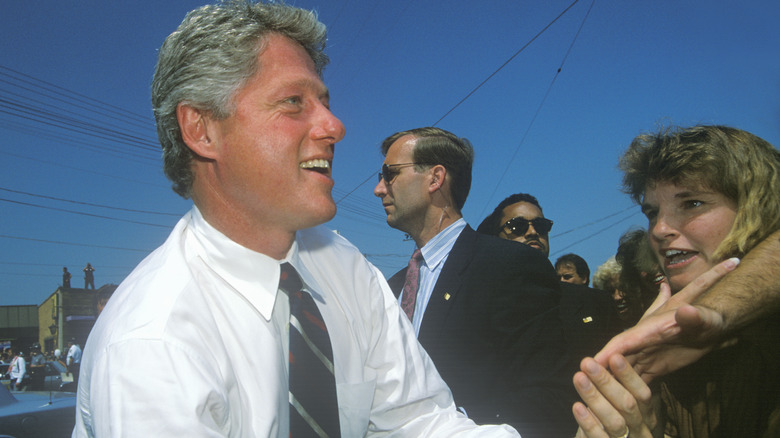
294, 100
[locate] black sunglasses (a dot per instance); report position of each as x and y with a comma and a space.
517, 226
389, 173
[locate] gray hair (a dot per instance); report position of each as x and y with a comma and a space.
209, 58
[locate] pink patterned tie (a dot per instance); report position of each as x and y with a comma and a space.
411, 284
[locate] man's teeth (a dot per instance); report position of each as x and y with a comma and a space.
315, 164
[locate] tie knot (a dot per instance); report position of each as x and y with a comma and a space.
289, 280
414, 262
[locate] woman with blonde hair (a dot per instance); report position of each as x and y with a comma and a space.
709, 193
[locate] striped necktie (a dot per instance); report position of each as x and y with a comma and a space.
313, 402
411, 284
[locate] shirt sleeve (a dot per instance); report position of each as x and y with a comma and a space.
170, 387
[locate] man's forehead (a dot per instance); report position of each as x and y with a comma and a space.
530, 211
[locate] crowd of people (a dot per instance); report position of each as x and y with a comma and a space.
259, 321
25, 367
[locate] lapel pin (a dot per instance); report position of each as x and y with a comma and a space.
587, 319
446, 297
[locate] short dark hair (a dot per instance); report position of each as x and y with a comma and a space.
436, 146
492, 223
580, 265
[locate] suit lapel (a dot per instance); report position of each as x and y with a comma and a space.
450, 281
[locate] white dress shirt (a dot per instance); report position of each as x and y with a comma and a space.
194, 343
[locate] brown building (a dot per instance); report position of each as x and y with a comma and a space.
67, 313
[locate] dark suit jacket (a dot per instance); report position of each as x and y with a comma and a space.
590, 319
493, 331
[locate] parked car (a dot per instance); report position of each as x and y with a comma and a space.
53, 373
52, 380
33, 414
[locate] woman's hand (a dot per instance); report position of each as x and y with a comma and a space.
617, 406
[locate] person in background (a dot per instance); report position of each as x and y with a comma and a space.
607, 278
572, 268
101, 299
588, 316
640, 274
89, 276
73, 358
65, 277
37, 367
258, 321
709, 193
17, 372
483, 308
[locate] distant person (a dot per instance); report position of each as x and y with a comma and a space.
607, 278
17, 372
484, 309
89, 276
58, 357
37, 367
102, 297
65, 278
709, 193
589, 319
573, 269
73, 359
640, 274
252, 319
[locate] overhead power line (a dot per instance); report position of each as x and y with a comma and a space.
58, 242
90, 204
539, 107
506, 63
84, 214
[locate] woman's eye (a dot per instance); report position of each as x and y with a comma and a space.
693, 203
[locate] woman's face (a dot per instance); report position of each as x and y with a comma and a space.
686, 225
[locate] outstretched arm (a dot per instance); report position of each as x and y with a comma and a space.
676, 333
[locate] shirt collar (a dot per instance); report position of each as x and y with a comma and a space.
253, 275
437, 249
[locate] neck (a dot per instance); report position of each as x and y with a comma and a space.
242, 228
437, 220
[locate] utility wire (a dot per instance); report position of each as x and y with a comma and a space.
538, 108
58, 242
488, 78
89, 203
84, 214
596, 233
507, 62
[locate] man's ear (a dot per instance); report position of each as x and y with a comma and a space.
196, 130
439, 173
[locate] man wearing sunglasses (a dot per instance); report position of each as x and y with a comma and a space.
484, 309
588, 316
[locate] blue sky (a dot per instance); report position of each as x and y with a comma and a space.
81, 179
